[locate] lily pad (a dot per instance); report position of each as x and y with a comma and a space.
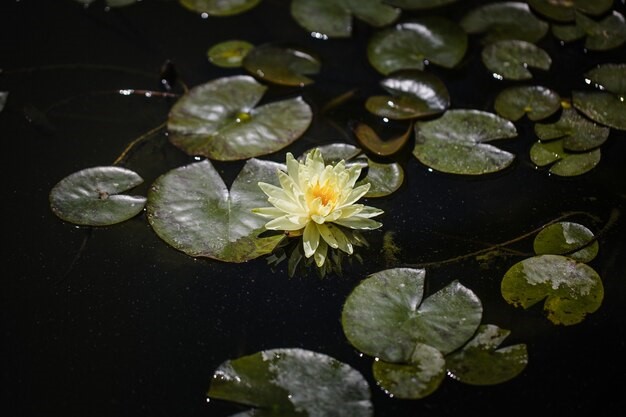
191, 209
564, 11
479, 362
385, 316
369, 139
505, 20
568, 32
606, 34
292, 382
566, 164
219, 120
407, 45
91, 197
455, 142
229, 54
219, 7
419, 4
3, 99
535, 101
603, 107
578, 133
281, 64
563, 237
414, 94
333, 18
510, 59
610, 77
571, 289
415, 380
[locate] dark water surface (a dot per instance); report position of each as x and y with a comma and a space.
114, 322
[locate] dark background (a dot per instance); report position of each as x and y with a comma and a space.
113, 322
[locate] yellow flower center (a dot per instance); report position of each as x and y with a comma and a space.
326, 192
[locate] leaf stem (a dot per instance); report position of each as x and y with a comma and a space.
138, 140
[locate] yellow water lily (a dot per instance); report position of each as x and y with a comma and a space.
313, 200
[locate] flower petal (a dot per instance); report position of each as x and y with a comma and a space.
286, 205
310, 239
370, 212
293, 167
274, 191
355, 194
268, 212
284, 223
320, 254
356, 222
327, 235
342, 240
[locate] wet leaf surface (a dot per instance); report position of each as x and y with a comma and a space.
566, 10
219, 7
603, 107
610, 77
571, 289
563, 237
605, 34
419, 4
229, 54
565, 164
510, 59
282, 64
91, 197
578, 133
535, 101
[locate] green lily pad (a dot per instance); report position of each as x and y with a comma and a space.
563, 237
229, 54
535, 101
219, 120
369, 139
571, 289
603, 107
384, 179
407, 45
91, 197
565, 11
191, 209
454, 143
333, 18
610, 77
419, 4
414, 94
606, 34
505, 20
479, 362
385, 316
219, 7
292, 382
578, 133
510, 59
281, 64
567, 32
415, 380
566, 164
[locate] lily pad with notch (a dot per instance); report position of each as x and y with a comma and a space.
571, 289
369, 139
229, 54
564, 163
282, 64
602, 107
565, 11
333, 18
480, 362
91, 197
407, 45
413, 94
385, 315
219, 7
605, 34
192, 210
579, 134
220, 120
610, 77
510, 59
292, 382
535, 101
563, 237
504, 20
455, 142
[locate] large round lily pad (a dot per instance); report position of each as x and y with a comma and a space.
571, 289
510, 59
610, 77
414, 380
413, 94
535, 101
480, 362
219, 7
292, 382
578, 133
219, 120
455, 142
191, 209
608, 33
282, 64
565, 164
566, 10
563, 237
333, 18
407, 45
504, 20
91, 197
601, 106
385, 315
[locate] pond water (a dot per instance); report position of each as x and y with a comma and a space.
112, 321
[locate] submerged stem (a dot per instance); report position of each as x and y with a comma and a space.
137, 141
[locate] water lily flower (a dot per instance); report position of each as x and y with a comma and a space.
314, 200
